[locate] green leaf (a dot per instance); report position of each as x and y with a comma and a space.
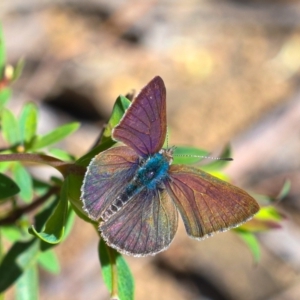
284, 190
28, 122
5, 95
24, 181
220, 175
251, 241
70, 221
61, 154
10, 127
19, 257
55, 136
27, 287
116, 273
11, 233
120, 106
55, 225
125, 279
8, 187
48, 261
42, 217
4, 165
2, 51
217, 165
269, 213
18, 69
75, 181
188, 155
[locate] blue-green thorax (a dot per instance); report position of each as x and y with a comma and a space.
153, 171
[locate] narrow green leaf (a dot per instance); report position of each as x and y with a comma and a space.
107, 265
28, 122
120, 106
220, 175
2, 51
24, 181
5, 95
18, 69
188, 155
70, 221
116, 273
48, 261
61, 154
251, 241
1, 256
125, 279
269, 213
4, 165
284, 190
10, 127
8, 187
42, 217
11, 233
75, 181
19, 257
55, 136
27, 285
55, 226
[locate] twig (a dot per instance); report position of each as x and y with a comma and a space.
16, 214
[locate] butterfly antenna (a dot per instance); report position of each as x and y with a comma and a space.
167, 138
207, 157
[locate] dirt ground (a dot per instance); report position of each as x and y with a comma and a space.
232, 72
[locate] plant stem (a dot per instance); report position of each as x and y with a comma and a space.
114, 273
17, 213
63, 167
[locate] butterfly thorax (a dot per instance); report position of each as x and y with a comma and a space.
152, 172
150, 175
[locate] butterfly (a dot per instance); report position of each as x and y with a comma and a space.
136, 193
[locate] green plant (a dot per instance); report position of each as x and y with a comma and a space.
57, 202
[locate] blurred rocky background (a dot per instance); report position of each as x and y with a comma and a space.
232, 71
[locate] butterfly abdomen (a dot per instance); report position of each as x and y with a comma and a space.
121, 200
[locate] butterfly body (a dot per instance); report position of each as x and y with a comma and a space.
150, 175
136, 193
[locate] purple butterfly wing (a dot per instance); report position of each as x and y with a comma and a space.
143, 127
207, 204
145, 225
106, 177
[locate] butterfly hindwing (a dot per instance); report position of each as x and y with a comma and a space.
146, 225
107, 176
207, 204
144, 125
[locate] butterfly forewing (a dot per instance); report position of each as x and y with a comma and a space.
207, 204
145, 226
107, 176
143, 127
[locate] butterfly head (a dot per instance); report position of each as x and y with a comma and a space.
168, 154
